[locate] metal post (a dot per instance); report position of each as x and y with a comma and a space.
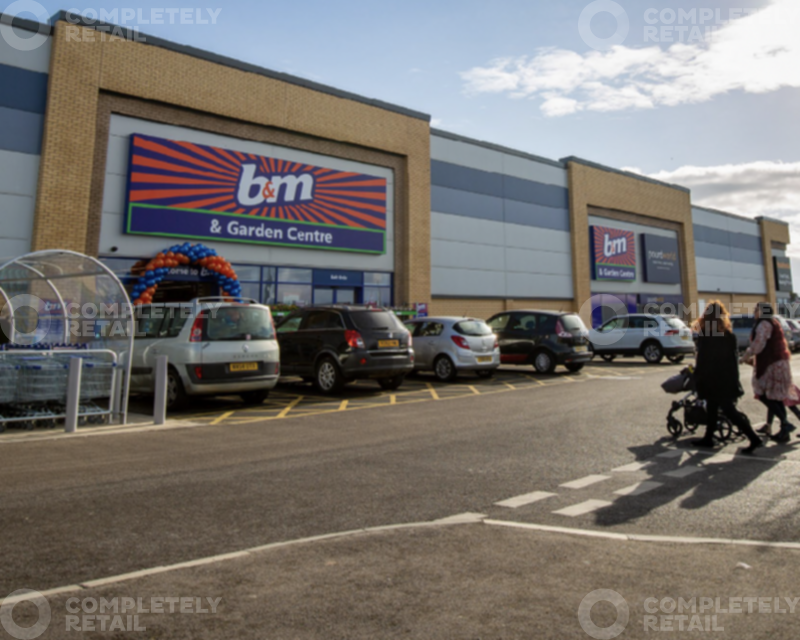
116, 392
73, 395
160, 400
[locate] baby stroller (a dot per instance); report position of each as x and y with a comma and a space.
694, 409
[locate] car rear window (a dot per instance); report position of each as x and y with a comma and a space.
675, 323
744, 322
472, 328
572, 322
239, 323
375, 320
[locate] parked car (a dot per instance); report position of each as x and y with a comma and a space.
742, 327
788, 331
449, 345
639, 334
543, 339
795, 326
214, 347
333, 345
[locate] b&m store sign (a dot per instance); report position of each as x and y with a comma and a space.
186, 190
613, 254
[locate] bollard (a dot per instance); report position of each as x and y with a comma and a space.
160, 400
73, 395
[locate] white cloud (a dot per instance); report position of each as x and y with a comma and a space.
753, 189
758, 53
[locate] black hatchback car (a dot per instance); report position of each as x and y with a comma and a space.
333, 345
543, 339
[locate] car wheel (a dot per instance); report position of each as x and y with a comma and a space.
328, 378
390, 384
485, 373
254, 397
652, 352
675, 359
544, 362
575, 366
444, 369
607, 357
176, 394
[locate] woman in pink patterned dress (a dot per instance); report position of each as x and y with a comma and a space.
772, 373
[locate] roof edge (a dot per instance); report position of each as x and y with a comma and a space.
496, 147
202, 54
627, 174
25, 24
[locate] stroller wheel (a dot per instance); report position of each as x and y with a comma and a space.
674, 427
724, 429
691, 428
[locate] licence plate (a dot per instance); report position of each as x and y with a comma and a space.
484, 358
243, 366
382, 344
685, 338
581, 348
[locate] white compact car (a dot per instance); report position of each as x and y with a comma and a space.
214, 347
450, 345
640, 334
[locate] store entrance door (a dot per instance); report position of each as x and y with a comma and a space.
335, 295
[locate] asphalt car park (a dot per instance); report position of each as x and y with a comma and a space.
293, 398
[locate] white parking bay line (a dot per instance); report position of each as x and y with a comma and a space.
582, 508
528, 498
682, 472
639, 488
584, 482
634, 466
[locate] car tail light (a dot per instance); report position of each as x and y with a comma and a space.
198, 371
496, 344
410, 340
354, 339
672, 332
562, 333
197, 330
460, 342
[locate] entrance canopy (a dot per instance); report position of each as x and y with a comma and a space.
58, 298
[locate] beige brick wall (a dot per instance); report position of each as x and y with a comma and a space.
593, 187
83, 66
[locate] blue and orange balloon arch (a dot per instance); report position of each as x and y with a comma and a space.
197, 255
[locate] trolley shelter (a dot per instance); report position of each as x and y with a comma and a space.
56, 306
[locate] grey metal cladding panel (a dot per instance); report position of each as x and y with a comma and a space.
467, 282
466, 155
12, 247
746, 256
727, 238
19, 173
17, 215
713, 251
460, 255
523, 285
446, 174
538, 262
535, 192
535, 215
465, 203
22, 89
21, 131
446, 226
36, 60
532, 170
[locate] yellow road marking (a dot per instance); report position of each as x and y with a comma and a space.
393, 399
570, 379
343, 405
224, 416
536, 380
434, 395
289, 407
474, 390
509, 385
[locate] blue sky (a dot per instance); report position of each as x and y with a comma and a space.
716, 113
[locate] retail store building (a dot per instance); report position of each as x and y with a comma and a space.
123, 149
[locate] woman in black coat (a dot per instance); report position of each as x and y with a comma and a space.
717, 374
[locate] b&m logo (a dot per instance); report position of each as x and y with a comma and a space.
614, 254
255, 189
614, 247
